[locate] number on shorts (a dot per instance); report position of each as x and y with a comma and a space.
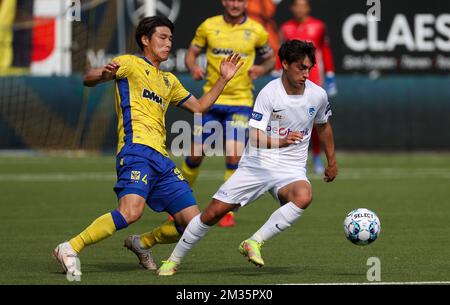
144, 179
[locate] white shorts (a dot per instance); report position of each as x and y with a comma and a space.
248, 184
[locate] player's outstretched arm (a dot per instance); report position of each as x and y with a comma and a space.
99, 75
261, 140
326, 137
228, 68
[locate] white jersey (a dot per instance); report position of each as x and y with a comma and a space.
278, 114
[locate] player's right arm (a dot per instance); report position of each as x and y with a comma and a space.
99, 75
197, 45
259, 120
260, 139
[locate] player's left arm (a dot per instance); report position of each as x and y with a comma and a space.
265, 67
266, 53
228, 68
325, 132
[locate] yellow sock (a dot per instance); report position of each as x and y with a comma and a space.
228, 173
164, 234
190, 173
100, 229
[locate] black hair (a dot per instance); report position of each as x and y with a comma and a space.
147, 27
295, 50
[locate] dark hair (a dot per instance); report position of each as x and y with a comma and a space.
147, 27
295, 50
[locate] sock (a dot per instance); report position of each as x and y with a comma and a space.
195, 231
190, 171
167, 233
101, 228
279, 221
230, 169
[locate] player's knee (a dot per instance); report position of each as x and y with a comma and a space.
209, 217
131, 213
212, 214
303, 198
132, 216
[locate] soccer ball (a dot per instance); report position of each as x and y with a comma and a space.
362, 226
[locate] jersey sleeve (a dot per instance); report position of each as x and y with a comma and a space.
262, 45
262, 111
125, 62
179, 93
200, 36
324, 111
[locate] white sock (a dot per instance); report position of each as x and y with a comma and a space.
279, 221
195, 231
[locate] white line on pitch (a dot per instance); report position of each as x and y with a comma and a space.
348, 174
374, 283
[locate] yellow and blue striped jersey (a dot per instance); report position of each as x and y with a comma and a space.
220, 39
143, 94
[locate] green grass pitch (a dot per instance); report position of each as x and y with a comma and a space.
46, 200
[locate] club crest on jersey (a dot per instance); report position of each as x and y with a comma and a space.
135, 175
166, 81
311, 111
247, 34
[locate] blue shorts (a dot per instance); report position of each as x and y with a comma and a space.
218, 115
143, 171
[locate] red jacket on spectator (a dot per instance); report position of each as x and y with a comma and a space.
312, 30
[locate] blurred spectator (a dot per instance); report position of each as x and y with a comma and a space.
264, 11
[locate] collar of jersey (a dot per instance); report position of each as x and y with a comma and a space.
242, 22
146, 59
293, 96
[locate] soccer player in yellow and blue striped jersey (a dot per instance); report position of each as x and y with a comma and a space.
232, 32
145, 174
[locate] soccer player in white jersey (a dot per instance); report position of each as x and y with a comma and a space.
275, 159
